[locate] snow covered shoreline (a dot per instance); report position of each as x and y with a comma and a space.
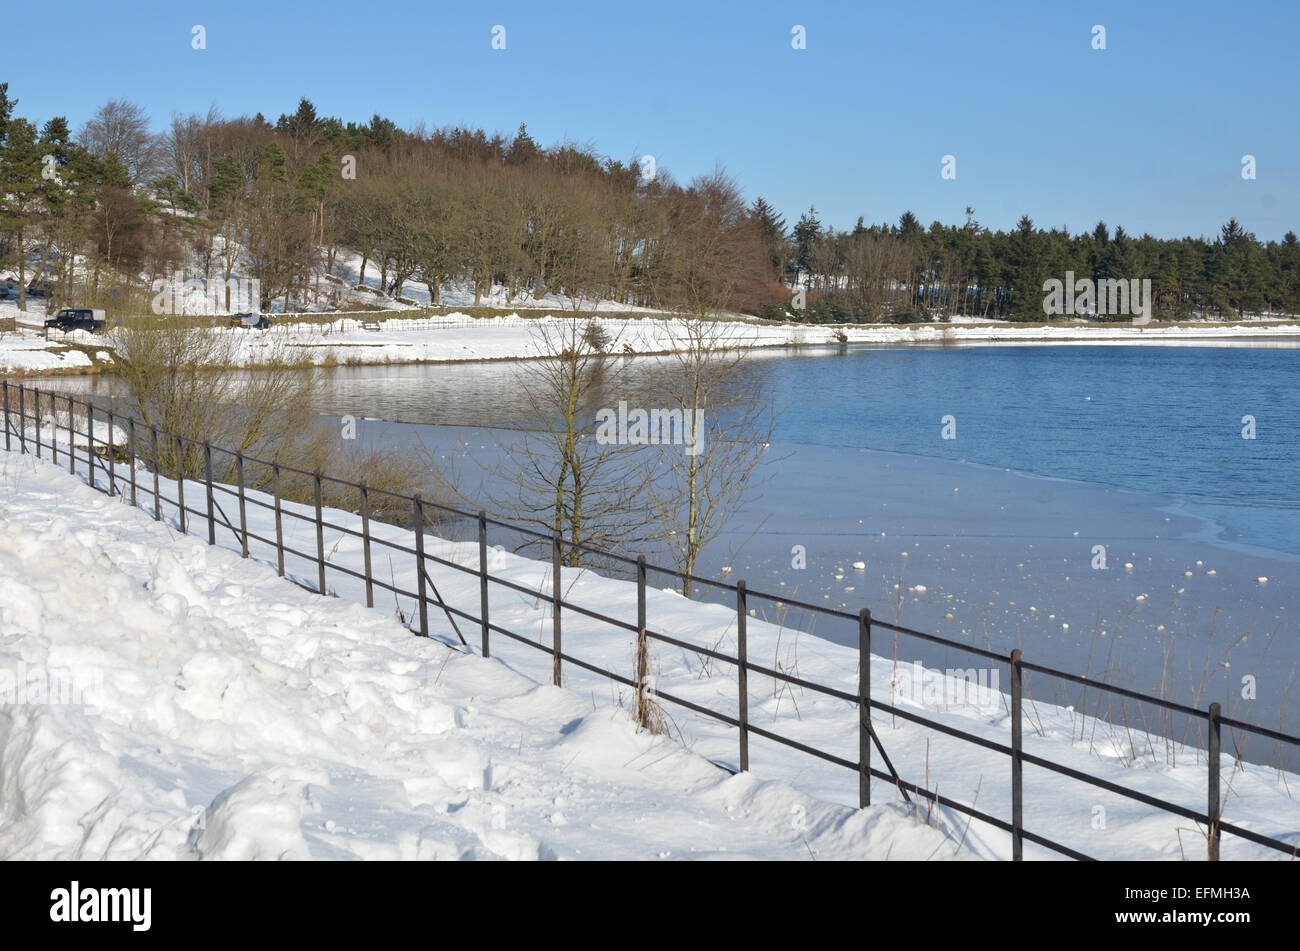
458, 337
219, 674
227, 714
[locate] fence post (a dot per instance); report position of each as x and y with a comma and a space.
1212, 811
418, 508
22, 421
180, 479
130, 444
742, 666
365, 543
157, 464
556, 594
90, 440
36, 394
320, 534
279, 521
35, 416
483, 578
111, 462
642, 648
243, 513
72, 442
54, 429
864, 708
207, 477
1017, 785
8, 443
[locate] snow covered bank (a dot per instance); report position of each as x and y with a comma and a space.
26, 351
220, 677
456, 336
393, 339
216, 711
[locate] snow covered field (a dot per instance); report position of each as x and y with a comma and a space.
235, 715
457, 336
461, 337
208, 709
26, 352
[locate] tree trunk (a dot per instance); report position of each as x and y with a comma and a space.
22, 274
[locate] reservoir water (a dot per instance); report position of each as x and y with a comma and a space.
991, 536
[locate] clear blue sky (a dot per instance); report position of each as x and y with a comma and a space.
1148, 133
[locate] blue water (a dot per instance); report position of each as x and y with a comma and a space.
1007, 561
1166, 420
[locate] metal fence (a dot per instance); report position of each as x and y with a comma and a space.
143, 449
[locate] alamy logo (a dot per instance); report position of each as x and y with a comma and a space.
103, 904
40, 685
939, 689
195, 295
655, 427
1089, 298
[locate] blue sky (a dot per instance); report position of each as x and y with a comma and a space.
1148, 133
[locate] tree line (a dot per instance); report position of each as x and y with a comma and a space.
98, 217
110, 211
906, 272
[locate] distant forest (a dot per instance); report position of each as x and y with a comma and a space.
107, 211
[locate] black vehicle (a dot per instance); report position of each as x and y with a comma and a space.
251, 321
78, 318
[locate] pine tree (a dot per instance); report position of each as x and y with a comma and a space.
771, 227
20, 193
806, 234
1026, 284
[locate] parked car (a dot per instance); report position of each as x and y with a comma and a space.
251, 321
78, 318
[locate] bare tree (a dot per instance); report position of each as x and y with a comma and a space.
698, 485
120, 130
715, 252
558, 476
178, 375
185, 149
182, 378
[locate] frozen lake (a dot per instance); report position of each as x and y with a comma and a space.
990, 536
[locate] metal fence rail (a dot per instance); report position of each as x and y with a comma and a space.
32, 404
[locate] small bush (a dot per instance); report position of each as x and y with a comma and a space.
595, 337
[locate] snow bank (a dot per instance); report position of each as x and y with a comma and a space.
164, 699
278, 713
457, 336
26, 351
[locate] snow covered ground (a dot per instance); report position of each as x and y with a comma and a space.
456, 293
456, 336
409, 336
235, 715
25, 351
208, 709
461, 337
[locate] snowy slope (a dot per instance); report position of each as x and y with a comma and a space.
233, 715
26, 351
411, 337
456, 336
317, 673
